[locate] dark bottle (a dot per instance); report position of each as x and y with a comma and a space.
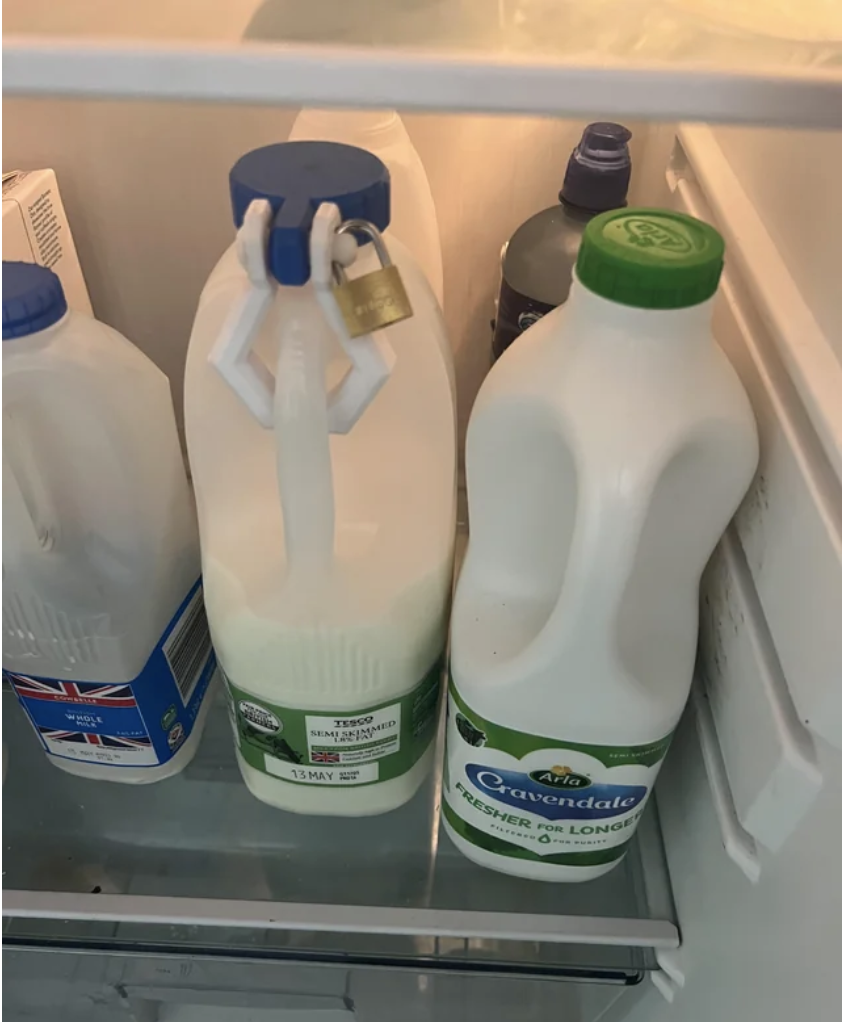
538, 261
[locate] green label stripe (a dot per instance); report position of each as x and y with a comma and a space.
491, 843
519, 744
288, 743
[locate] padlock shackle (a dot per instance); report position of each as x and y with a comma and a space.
371, 232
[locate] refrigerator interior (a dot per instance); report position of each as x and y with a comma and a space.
749, 799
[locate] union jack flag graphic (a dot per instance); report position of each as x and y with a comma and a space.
86, 692
325, 757
140, 744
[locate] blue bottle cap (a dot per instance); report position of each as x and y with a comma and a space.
33, 299
295, 178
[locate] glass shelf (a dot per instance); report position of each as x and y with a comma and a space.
714, 60
197, 864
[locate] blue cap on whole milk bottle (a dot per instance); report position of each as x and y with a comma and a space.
33, 299
598, 172
295, 178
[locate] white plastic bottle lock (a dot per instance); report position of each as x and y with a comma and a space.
325, 489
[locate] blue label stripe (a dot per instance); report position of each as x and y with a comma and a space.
137, 722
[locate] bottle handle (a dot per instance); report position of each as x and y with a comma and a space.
606, 533
29, 520
36, 525
372, 359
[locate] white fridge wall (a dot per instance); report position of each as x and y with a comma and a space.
145, 186
795, 180
769, 951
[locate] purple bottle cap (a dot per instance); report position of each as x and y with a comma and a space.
598, 173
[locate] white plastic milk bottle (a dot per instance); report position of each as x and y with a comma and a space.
413, 217
105, 638
324, 470
606, 453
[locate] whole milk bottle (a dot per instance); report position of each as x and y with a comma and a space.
105, 639
324, 471
606, 453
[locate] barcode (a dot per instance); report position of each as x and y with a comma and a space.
188, 646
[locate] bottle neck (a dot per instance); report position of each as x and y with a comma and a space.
33, 341
577, 214
653, 326
367, 122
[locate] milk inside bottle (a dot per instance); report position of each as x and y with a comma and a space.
324, 470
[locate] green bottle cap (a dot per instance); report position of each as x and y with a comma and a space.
650, 258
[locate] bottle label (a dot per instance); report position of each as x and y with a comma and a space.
516, 312
139, 723
534, 798
340, 749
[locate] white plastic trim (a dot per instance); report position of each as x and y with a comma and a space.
359, 76
669, 978
591, 930
738, 844
662, 981
795, 779
670, 963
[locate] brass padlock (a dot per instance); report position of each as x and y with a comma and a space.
376, 299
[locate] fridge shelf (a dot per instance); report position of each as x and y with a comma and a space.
634, 58
197, 864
